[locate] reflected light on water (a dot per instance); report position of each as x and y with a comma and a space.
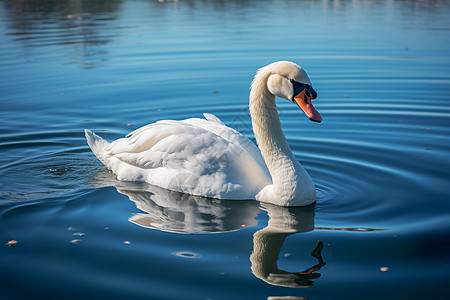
185, 254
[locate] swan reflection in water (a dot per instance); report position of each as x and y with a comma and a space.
186, 214
267, 244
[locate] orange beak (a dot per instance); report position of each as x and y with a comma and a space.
305, 103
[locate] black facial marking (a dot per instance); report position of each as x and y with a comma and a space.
307, 93
299, 87
305, 98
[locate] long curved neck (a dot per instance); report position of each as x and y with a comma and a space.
291, 184
282, 165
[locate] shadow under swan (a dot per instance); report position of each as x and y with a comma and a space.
186, 214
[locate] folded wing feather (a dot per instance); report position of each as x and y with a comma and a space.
195, 156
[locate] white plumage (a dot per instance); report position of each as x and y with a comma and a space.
204, 157
194, 156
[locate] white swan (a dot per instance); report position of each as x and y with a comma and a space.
204, 157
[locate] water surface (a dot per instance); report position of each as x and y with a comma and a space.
380, 159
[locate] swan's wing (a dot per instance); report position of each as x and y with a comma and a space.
216, 126
194, 156
213, 118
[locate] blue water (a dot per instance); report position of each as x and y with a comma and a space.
380, 158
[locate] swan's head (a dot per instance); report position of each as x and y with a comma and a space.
289, 81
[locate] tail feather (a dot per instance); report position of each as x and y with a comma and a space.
97, 145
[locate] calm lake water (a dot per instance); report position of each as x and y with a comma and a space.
380, 159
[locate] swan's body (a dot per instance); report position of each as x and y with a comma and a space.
204, 157
194, 156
